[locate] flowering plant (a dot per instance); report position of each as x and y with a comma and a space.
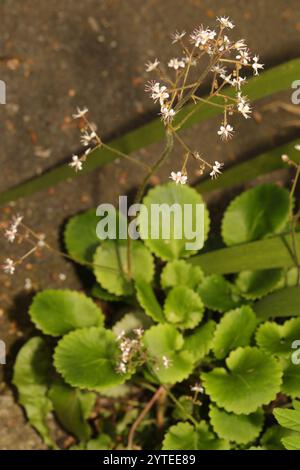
189, 349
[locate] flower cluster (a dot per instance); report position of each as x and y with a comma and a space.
17, 230
88, 138
131, 350
221, 62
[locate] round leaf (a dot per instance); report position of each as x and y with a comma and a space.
88, 358
165, 341
149, 302
241, 429
57, 312
111, 265
256, 284
291, 380
253, 379
277, 339
174, 246
218, 294
184, 436
80, 236
256, 213
180, 273
183, 307
235, 329
200, 341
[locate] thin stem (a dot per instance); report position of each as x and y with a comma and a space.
142, 415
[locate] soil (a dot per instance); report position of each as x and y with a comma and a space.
57, 55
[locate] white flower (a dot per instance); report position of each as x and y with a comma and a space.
225, 132
238, 81
80, 113
17, 219
226, 78
197, 388
41, 243
87, 138
151, 86
121, 335
256, 66
166, 362
10, 234
167, 114
225, 22
225, 44
160, 94
240, 45
9, 266
76, 163
178, 177
243, 106
139, 332
150, 66
297, 147
244, 56
122, 368
177, 36
201, 36
219, 69
216, 170
176, 63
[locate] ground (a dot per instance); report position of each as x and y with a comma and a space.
57, 55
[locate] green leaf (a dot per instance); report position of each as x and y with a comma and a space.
32, 379
200, 341
241, 429
272, 438
131, 321
183, 409
184, 436
102, 442
180, 273
263, 254
165, 341
57, 312
282, 303
253, 379
218, 294
111, 265
173, 245
291, 379
235, 329
148, 301
256, 213
80, 236
88, 358
277, 339
183, 307
99, 293
291, 442
256, 284
287, 418
72, 408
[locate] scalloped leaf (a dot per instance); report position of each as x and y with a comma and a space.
167, 195
184, 436
289, 419
272, 438
277, 339
56, 312
80, 236
255, 214
183, 307
241, 429
164, 340
200, 341
180, 273
99, 293
72, 408
111, 265
87, 358
253, 379
148, 301
218, 294
235, 329
32, 379
291, 380
255, 284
